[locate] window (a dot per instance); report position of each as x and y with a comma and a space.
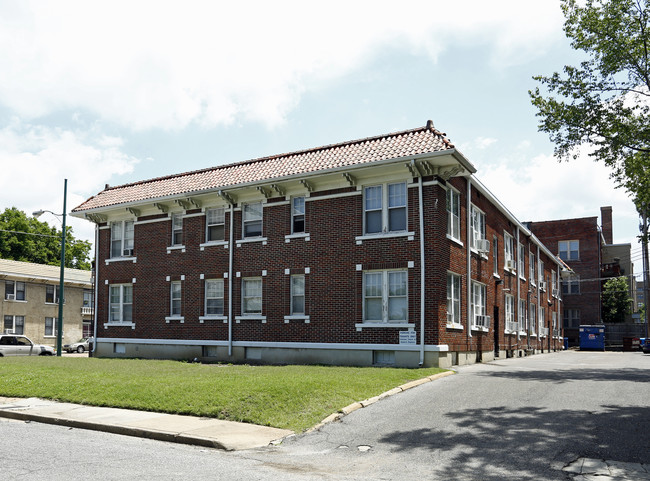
556, 331
571, 285
477, 227
215, 222
542, 318
297, 295
571, 318
121, 303
297, 215
384, 295
175, 299
453, 299
541, 270
122, 238
521, 261
214, 297
569, 250
88, 298
478, 304
532, 318
532, 264
251, 296
177, 229
508, 251
495, 255
252, 220
51, 327
453, 214
385, 208
15, 290
554, 283
511, 325
52, 294
14, 325
523, 325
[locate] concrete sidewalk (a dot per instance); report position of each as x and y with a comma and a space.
175, 428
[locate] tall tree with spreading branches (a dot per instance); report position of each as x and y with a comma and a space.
604, 103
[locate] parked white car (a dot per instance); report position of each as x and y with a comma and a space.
14, 345
80, 346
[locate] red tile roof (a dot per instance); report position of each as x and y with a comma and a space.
372, 149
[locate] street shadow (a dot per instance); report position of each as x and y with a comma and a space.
568, 375
479, 444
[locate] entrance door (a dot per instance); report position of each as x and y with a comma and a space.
497, 329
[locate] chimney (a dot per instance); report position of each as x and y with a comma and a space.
606, 220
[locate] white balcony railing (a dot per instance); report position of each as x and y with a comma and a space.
86, 311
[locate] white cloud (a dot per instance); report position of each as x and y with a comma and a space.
36, 159
161, 64
541, 189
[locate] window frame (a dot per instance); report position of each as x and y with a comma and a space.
295, 294
568, 250
125, 241
246, 296
14, 323
571, 286
176, 299
385, 296
571, 318
219, 298
54, 329
17, 293
521, 261
247, 222
532, 318
55, 291
477, 216
121, 304
177, 229
453, 218
532, 266
495, 256
522, 316
385, 208
454, 299
215, 217
479, 293
508, 251
298, 214
509, 307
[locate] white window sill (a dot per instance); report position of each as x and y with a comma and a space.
121, 259
496, 276
253, 317
168, 319
263, 240
522, 278
384, 324
508, 331
387, 235
15, 300
214, 244
482, 255
510, 271
287, 319
455, 326
480, 329
455, 241
301, 235
175, 248
119, 324
213, 318
46, 337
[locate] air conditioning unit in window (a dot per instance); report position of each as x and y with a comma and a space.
482, 245
11, 297
483, 321
555, 292
127, 252
542, 285
510, 264
9, 331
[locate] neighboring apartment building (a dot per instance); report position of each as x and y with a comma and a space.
385, 250
30, 301
588, 249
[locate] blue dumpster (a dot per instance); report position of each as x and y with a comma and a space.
592, 337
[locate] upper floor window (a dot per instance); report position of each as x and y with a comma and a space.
52, 294
252, 218
569, 250
177, 229
532, 265
477, 227
122, 238
495, 255
541, 271
521, 261
453, 213
385, 208
297, 294
508, 251
571, 317
385, 296
453, 298
214, 297
297, 215
554, 283
251, 296
121, 303
215, 221
14, 325
88, 298
15, 291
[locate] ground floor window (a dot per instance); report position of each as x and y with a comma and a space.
571, 317
51, 327
479, 295
121, 303
511, 324
385, 296
214, 297
297, 295
523, 325
453, 298
251, 296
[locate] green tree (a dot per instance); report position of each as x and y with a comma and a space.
616, 300
26, 239
604, 103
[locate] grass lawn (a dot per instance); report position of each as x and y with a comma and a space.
290, 397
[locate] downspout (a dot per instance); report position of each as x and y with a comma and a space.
519, 315
230, 267
469, 263
95, 288
422, 267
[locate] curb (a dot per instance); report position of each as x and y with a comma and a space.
367, 402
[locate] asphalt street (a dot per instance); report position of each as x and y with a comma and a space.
511, 419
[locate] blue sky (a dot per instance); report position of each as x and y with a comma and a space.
116, 92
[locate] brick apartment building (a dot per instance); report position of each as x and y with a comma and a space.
384, 250
588, 249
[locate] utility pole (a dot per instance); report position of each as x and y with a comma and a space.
646, 271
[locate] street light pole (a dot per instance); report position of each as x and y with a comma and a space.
59, 321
